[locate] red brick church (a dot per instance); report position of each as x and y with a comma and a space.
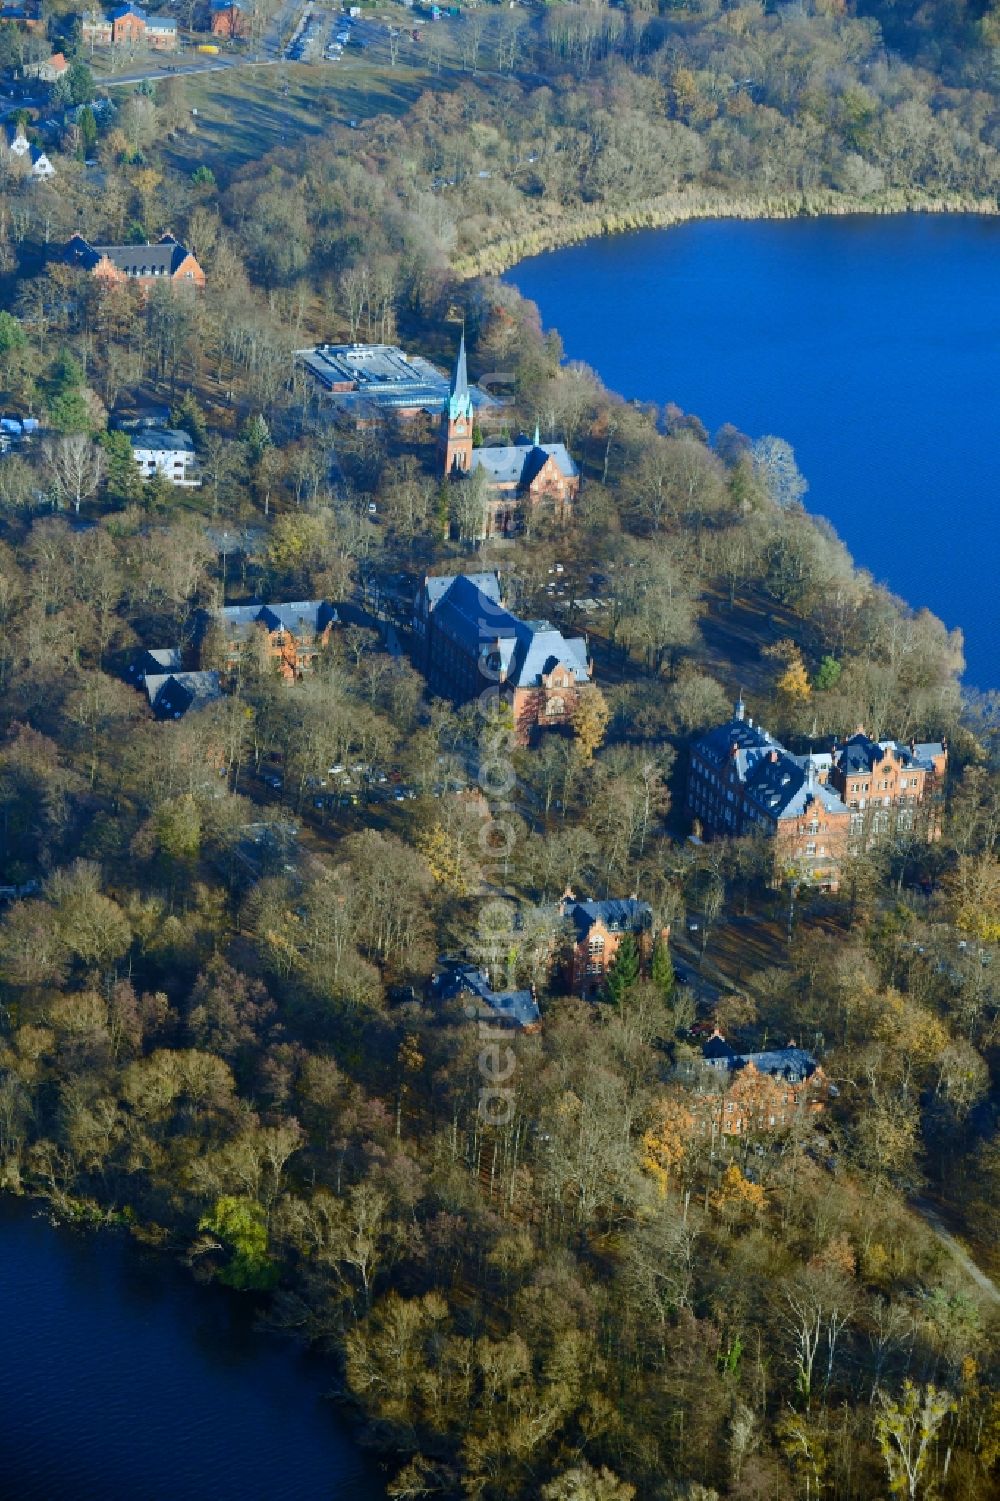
521, 478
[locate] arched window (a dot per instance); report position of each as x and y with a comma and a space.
555, 706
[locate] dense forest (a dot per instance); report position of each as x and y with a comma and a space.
216, 1032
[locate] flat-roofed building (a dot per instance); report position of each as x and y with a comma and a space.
369, 380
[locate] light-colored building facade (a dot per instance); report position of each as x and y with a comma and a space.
167, 452
32, 160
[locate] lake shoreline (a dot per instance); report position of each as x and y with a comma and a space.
559, 229
89, 1305
886, 296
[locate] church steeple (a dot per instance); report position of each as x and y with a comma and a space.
456, 420
460, 402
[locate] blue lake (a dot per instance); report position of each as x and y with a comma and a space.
871, 344
122, 1380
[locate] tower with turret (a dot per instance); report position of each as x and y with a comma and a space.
455, 443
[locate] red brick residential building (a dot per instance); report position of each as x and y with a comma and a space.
744, 1094
229, 20
128, 26
467, 641
816, 806
596, 931
294, 633
167, 260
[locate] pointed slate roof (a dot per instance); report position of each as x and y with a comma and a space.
460, 397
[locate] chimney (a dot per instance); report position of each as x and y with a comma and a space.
773, 757
741, 707
749, 722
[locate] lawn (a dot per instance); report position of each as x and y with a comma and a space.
243, 113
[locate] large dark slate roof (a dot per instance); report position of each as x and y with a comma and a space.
619, 915
474, 619
172, 694
518, 463
161, 440
860, 754
778, 783
791, 1063
437, 585
303, 617
785, 788
161, 259
518, 1007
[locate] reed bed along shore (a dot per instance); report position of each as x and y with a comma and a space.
554, 226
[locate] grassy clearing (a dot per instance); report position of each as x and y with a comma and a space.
243, 113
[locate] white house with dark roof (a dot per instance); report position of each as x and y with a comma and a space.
22, 150
165, 451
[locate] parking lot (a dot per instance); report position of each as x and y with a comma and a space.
323, 35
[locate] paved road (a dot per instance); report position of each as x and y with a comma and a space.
155, 72
269, 52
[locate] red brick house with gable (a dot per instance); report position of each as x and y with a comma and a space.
749, 1093
229, 19
816, 806
167, 260
294, 633
468, 641
596, 931
128, 26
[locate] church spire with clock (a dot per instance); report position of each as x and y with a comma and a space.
456, 421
